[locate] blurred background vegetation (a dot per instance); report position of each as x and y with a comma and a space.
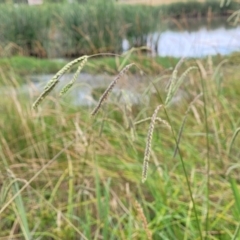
69, 30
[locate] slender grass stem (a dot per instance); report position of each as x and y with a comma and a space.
208, 152
183, 166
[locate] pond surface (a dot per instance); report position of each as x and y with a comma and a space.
200, 43
130, 89
194, 43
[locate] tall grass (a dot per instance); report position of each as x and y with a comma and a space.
28, 27
79, 176
97, 29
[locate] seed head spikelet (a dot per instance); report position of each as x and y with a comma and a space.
109, 89
44, 94
172, 82
149, 144
176, 82
52, 83
64, 69
69, 85
143, 219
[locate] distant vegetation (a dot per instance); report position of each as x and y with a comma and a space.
68, 30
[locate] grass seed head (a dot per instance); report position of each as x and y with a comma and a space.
70, 84
110, 88
53, 82
149, 144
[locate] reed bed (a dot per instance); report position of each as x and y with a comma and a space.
70, 30
68, 175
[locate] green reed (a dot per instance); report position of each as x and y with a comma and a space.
57, 30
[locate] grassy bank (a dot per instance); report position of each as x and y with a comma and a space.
58, 30
29, 65
68, 175
23, 66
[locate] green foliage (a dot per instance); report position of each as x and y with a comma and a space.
63, 29
27, 27
96, 29
82, 175
29, 65
139, 21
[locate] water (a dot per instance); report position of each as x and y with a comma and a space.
130, 90
199, 43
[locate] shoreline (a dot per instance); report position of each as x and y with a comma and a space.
23, 66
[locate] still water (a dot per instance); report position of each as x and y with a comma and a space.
200, 43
